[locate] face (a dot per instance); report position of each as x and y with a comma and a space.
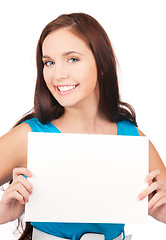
70, 70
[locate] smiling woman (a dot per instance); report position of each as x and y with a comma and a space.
76, 91
77, 49
72, 75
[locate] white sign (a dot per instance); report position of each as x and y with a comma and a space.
87, 178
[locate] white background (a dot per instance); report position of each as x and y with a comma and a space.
137, 32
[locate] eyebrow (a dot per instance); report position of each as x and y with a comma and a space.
64, 54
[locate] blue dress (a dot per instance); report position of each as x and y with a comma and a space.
74, 231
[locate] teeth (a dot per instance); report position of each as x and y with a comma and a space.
66, 88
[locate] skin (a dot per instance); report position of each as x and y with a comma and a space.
69, 61
16, 195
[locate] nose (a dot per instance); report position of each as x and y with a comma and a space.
60, 72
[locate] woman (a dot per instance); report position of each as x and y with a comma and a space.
76, 92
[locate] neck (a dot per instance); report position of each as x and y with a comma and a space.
85, 120
85, 115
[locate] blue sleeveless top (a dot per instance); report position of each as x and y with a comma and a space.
74, 231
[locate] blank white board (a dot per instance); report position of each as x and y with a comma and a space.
87, 178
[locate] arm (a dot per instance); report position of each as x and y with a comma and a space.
13, 151
156, 191
16, 195
155, 161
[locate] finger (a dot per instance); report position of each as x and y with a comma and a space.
20, 171
7, 198
153, 174
154, 186
159, 203
25, 183
157, 178
155, 199
22, 191
20, 183
16, 195
18, 187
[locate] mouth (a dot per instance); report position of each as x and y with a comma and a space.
65, 89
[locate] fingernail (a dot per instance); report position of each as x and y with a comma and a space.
29, 172
140, 196
148, 179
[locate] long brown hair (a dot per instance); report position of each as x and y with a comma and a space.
47, 108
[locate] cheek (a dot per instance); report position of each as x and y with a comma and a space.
47, 76
91, 76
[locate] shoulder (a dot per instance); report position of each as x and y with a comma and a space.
17, 132
127, 128
35, 125
13, 151
155, 161
140, 132
32, 121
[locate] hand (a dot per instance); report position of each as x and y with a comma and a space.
13, 201
156, 192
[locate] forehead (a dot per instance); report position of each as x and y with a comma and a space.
63, 40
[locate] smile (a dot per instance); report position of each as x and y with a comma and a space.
66, 89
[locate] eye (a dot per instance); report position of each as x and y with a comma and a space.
72, 60
49, 63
